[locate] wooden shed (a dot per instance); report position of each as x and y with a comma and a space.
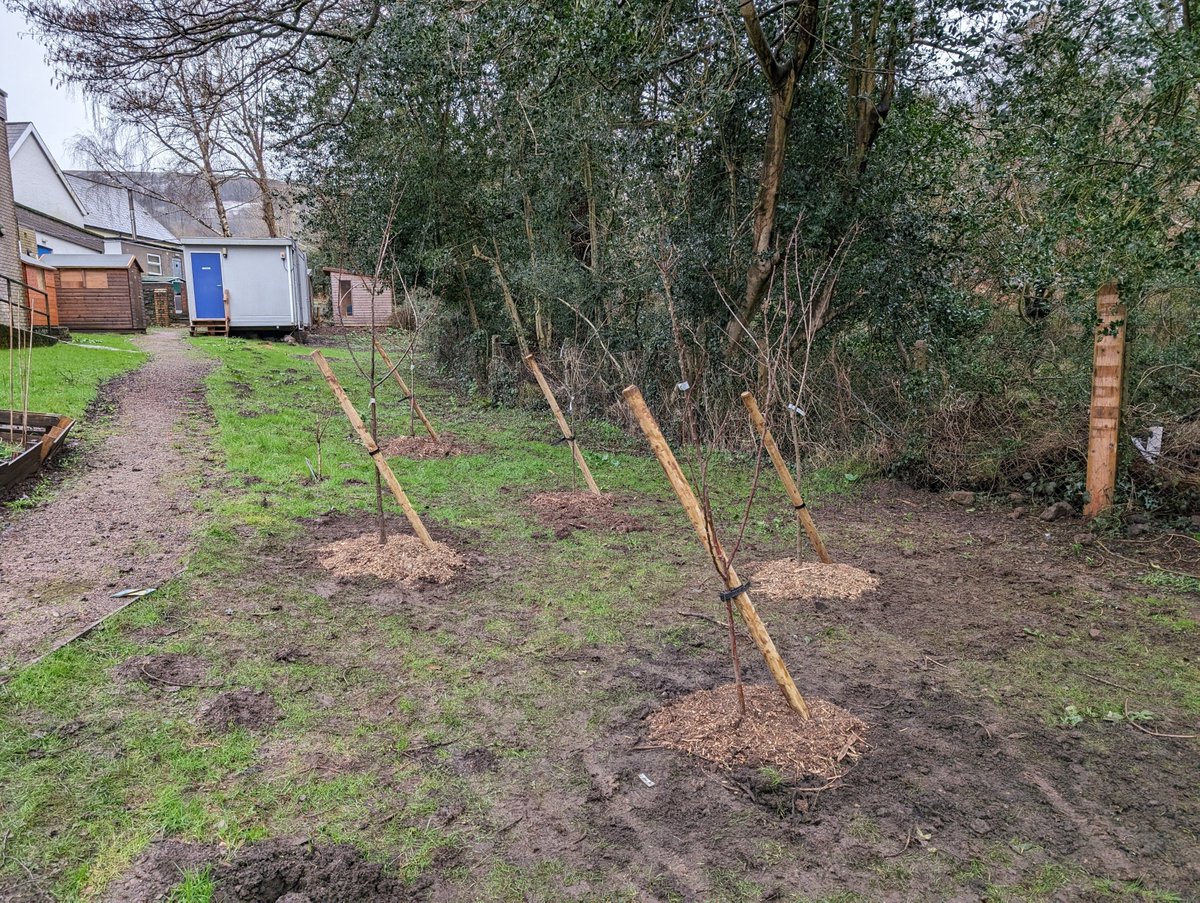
42, 293
354, 295
99, 291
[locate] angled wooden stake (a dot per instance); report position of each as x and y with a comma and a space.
373, 450
687, 498
1108, 379
532, 364
785, 475
406, 390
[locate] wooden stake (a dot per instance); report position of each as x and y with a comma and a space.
532, 364
407, 392
510, 303
1108, 377
785, 475
687, 498
373, 450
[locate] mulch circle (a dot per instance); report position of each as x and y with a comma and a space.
171, 669
788, 579
706, 724
423, 447
566, 512
251, 709
402, 558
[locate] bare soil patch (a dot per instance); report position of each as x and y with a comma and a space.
125, 519
709, 725
402, 558
424, 448
171, 669
280, 870
566, 512
251, 709
790, 579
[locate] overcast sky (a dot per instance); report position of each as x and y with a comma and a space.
33, 91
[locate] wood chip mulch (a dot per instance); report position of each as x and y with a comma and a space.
402, 558
790, 579
706, 724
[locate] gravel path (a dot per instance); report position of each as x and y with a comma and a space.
125, 521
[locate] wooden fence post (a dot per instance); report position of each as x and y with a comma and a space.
373, 450
532, 364
406, 390
785, 475
687, 498
1108, 378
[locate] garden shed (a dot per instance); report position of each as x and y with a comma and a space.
358, 299
247, 284
99, 291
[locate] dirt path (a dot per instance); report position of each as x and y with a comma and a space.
123, 522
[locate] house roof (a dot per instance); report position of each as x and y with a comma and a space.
16, 131
206, 242
108, 210
28, 130
37, 262
95, 261
40, 222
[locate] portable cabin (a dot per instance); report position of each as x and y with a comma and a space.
358, 299
247, 284
99, 291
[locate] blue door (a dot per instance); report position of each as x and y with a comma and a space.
209, 303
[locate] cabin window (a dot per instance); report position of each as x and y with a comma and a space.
154, 264
70, 278
346, 297
95, 279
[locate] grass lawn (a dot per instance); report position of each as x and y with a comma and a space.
66, 376
481, 741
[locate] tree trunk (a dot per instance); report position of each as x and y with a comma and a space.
781, 77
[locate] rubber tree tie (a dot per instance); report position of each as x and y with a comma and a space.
374, 451
562, 440
801, 505
730, 594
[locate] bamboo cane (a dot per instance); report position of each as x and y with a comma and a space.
373, 450
687, 498
406, 390
785, 475
532, 364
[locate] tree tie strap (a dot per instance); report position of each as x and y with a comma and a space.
730, 594
562, 440
800, 506
374, 451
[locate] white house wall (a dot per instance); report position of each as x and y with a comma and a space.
36, 185
61, 245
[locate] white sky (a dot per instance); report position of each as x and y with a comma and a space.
34, 92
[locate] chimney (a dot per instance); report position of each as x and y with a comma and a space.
3, 105
132, 215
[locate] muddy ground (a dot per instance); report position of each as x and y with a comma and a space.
485, 739
966, 786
